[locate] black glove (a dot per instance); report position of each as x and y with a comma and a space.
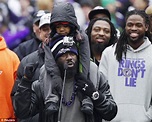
85, 85
29, 70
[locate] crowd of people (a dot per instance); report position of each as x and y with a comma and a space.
68, 71
16, 23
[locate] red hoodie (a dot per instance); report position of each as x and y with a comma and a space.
9, 63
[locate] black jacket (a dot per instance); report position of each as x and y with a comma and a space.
27, 47
29, 101
31, 58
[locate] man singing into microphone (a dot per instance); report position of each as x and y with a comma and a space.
28, 99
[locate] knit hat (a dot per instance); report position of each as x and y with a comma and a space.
62, 44
98, 10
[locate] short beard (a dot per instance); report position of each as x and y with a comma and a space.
98, 48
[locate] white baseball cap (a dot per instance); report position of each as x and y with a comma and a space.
45, 19
37, 15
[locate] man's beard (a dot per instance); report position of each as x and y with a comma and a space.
71, 71
98, 48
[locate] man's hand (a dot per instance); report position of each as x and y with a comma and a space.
29, 70
85, 85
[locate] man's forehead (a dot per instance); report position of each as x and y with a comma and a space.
135, 18
45, 26
102, 24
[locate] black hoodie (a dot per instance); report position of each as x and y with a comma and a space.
65, 13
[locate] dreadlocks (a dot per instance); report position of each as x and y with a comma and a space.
121, 47
113, 38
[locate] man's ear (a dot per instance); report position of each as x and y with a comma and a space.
147, 27
34, 28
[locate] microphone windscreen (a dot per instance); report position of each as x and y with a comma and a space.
65, 66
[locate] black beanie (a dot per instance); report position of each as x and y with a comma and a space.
62, 44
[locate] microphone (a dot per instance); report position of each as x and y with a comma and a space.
65, 66
60, 107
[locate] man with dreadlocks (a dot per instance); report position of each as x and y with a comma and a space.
101, 33
127, 67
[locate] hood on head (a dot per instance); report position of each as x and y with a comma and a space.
63, 12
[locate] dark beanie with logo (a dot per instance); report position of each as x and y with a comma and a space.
61, 44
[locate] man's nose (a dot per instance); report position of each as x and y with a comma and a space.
69, 56
101, 32
134, 27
